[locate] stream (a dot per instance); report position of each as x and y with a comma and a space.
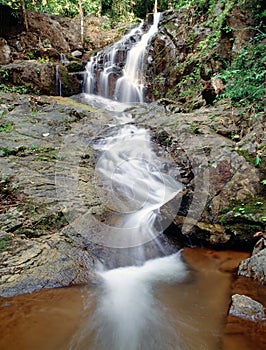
176, 300
192, 312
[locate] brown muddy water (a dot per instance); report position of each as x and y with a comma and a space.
196, 308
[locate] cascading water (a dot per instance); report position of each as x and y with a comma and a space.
58, 81
105, 76
130, 87
127, 315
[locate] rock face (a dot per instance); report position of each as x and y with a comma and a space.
40, 78
29, 59
227, 207
191, 47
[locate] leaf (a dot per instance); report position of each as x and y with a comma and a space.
257, 161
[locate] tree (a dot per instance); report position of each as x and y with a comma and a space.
81, 22
155, 6
24, 15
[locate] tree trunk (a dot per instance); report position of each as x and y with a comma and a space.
24, 14
81, 22
155, 6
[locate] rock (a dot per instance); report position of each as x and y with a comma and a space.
34, 74
77, 54
245, 307
213, 174
75, 66
40, 250
208, 93
254, 267
186, 56
48, 263
5, 52
242, 24
212, 89
217, 233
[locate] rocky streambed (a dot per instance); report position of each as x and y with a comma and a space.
47, 139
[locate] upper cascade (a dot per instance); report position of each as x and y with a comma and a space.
118, 72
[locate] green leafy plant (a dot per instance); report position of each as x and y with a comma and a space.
4, 74
245, 77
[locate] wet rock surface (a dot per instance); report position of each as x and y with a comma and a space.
36, 252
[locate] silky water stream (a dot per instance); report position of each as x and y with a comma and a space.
176, 301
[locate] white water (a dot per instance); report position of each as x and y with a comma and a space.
108, 66
128, 315
101, 70
130, 87
136, 182
58, 81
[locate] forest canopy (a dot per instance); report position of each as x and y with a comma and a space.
118, 10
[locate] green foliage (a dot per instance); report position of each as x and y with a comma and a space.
256, 159
121, 10
244, 211
4, 74
6, 127
24, 151
18, 89
245, 77
4, 242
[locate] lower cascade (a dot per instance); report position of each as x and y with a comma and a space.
127, 314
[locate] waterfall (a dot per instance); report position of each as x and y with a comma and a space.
130, 87
139, 183
58, 82
117, 72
